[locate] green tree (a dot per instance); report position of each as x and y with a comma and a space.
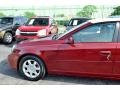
2, 14
116, 11
87, 11
60, 15
29, 14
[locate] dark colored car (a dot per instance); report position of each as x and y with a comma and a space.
114, 16
8, 26
91, 49
75, 21
37, 27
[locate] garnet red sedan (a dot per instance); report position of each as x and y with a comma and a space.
91, 49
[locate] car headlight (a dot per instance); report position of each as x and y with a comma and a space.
14, 46
42, 33
17, 32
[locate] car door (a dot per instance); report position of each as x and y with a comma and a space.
116, 65
93, 50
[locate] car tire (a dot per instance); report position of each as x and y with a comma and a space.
8, 38
32, 68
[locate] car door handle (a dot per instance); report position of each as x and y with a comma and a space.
106, 53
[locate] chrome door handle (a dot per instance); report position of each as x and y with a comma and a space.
106, 53
108, 56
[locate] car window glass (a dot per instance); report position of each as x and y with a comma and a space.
17, 21
75, 22
31, 21
81, 21
96, 33
70, 23
38, 22
0, 19
24, 20
21, 21
6, 21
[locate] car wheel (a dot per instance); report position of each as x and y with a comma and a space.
32, 68
8, 37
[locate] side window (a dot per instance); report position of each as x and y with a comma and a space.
96, 33
22, 20
17, 20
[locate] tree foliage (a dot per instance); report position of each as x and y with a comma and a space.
116, 11
2, 14
60, 15
29, 14
87, 11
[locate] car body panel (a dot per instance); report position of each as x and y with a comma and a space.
13, 62
87, 58
32, 28
2, 34
51, 46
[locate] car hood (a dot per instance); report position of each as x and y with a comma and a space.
5, 26
43, 41
32, 28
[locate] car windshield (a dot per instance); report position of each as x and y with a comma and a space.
6, 20
63, 34
38, 22
74, 22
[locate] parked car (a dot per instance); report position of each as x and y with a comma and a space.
114, 16
91, 49
75, 21
8, 26
37, 27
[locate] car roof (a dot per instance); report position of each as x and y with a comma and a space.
116, 16
41, 17
12, 16
100, 20
80, 18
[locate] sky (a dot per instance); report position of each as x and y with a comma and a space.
41, 3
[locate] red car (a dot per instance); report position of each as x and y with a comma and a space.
37, 27
91, 49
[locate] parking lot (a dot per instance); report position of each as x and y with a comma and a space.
9, 76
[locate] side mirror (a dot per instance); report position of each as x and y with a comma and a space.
69, 40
